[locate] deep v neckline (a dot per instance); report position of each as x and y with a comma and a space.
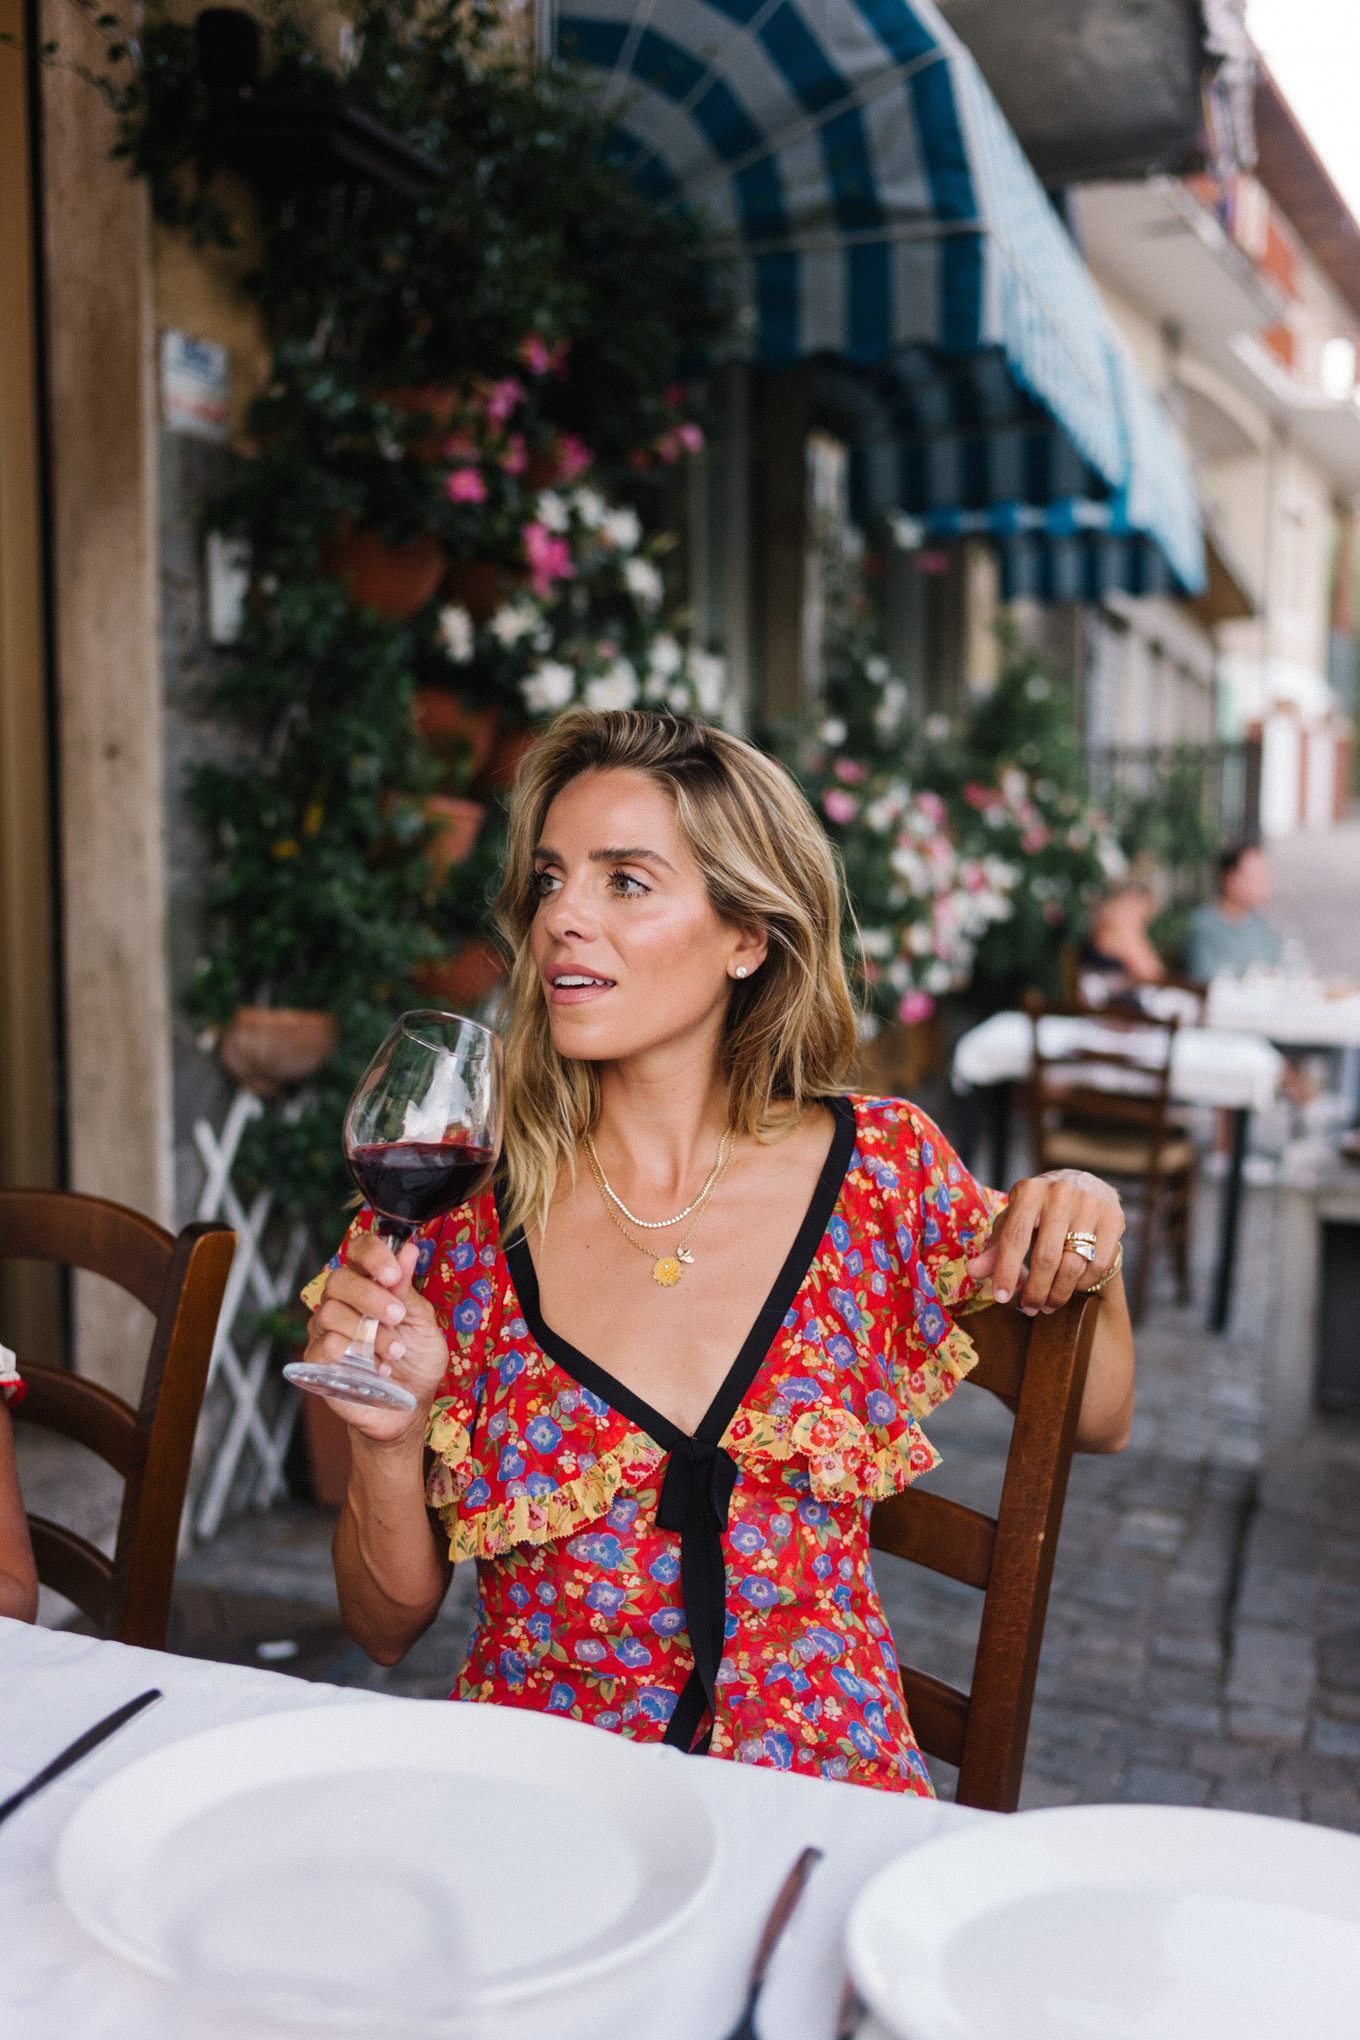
736, 1383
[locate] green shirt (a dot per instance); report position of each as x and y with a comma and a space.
1215, 944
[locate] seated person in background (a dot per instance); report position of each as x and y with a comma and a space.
1231, 933
18, 1575
1118, 954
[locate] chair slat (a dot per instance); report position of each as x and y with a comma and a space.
83, 1410
931, 1530
938, 1714
91, 1233
181, 1280
73, 1567
1038, 1366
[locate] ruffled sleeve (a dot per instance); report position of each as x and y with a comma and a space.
873, 1343
11, 1387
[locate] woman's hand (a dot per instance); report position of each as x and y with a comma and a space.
1041, 1213
376, 1283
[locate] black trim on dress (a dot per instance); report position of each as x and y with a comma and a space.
700, 1476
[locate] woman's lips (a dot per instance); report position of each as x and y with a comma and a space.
576, 988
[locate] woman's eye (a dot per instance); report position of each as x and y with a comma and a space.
545, 882
626, 886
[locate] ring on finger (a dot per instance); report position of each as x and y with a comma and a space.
1083, 1243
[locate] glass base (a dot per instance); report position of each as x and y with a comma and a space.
349, 1381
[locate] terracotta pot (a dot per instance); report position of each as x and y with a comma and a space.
455, 825
460, 983
327, 1439
268, 1047
396, 580
438, 401
480, 586
508, 754
443, 722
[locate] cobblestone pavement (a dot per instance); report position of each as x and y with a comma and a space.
1203, 1636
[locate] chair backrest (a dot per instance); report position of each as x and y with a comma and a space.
1115, 1071
1037, 1366
181, 1281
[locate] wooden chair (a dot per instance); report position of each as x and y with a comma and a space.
181, 1282
1037, 1366
1108, 1109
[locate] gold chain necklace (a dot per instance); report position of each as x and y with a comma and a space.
654, 1224
667, 1268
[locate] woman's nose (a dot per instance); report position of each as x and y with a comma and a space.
565, 911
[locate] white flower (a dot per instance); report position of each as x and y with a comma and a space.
708, 673
664, 656
551, 511
908, 533
833, 731
1113, 862
881, 814
455, 633
875, 941
643, 581
939, 977
877, 670
678, 701
590, 507
890, 709
621, 528
937, 728
618, 688
513, 621
549, 687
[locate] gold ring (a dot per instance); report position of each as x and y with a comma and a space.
1083, 1243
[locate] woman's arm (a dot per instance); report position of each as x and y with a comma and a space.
391, 1568
1041, 1212
18, 1574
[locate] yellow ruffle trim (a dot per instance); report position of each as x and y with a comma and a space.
525, 1519
315, 1289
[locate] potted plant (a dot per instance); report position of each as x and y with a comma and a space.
266, 1048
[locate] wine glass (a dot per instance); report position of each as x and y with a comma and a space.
422, 1134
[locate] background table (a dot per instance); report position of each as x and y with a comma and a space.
1296, 1013
57, 1984
1209, 1066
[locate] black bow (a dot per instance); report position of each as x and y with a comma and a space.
695, 1497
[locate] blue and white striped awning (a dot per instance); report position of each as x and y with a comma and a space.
849, 159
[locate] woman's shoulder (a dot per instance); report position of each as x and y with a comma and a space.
896, 1131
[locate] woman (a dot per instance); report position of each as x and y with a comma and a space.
1118, 955
18, 1574
662, 1379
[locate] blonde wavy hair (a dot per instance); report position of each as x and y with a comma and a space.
790, 1029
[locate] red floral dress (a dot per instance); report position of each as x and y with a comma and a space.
714, 1591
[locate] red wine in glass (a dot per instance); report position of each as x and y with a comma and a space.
422, 1134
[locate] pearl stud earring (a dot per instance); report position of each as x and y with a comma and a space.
741, 970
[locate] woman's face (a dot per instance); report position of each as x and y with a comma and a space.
628, 947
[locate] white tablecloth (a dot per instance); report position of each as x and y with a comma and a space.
1298, 1014
57, 1984
1209, 1067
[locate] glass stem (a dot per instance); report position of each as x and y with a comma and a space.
360, 1349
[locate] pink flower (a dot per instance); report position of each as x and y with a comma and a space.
851, 771
516, 456
465, 485
980, 796
915, 1006
549, 557
573, 457
1034, 838
841, 807
691, 438
931, 804
668, 446
502, 399
541, 359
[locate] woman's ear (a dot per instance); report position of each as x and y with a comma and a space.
752, 948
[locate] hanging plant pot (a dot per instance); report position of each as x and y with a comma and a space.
444, 724
328, 1461
436, 401
479, 586
267, 1048
455, 825
462, 982
396, 580
508, 753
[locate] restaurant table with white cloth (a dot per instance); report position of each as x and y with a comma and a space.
56, 1983
1239, 1072
1295, 1012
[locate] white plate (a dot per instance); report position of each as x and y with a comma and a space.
1116, 1923
394, 1867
